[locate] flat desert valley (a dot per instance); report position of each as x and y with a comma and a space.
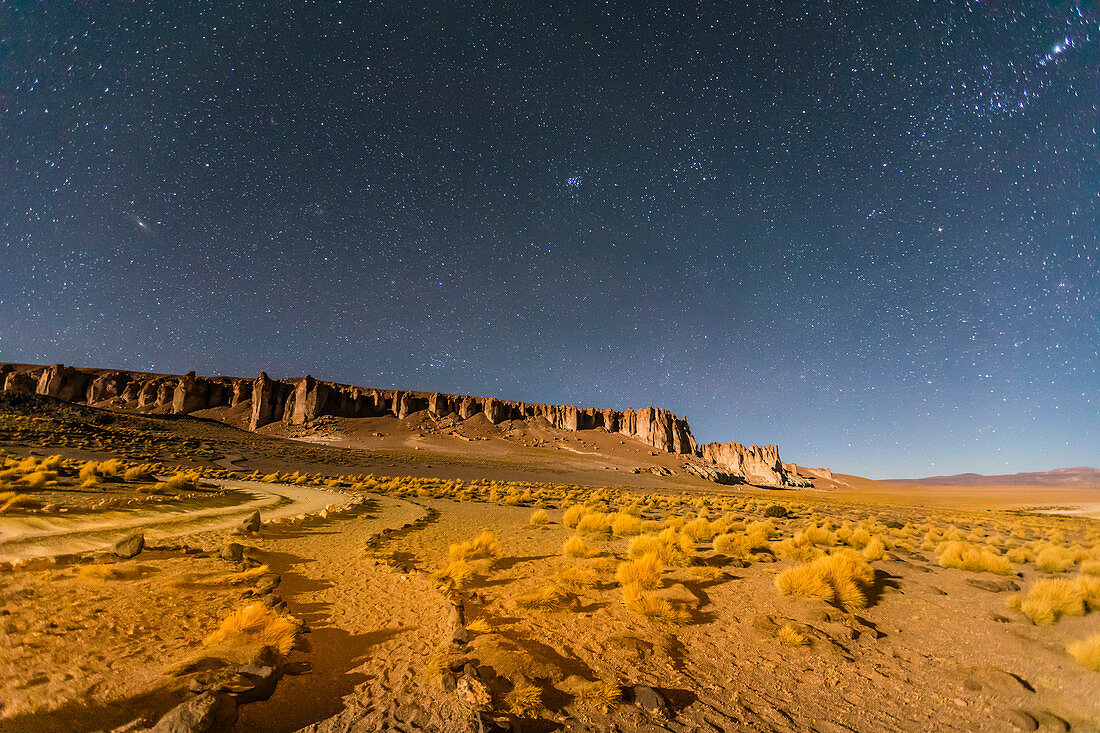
188, 554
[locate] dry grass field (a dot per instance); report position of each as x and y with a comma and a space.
482, 592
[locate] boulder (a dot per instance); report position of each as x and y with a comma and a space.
251, 523
129, 546
205, 713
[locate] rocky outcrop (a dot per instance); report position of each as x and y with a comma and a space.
755, 464
269, 398
20, 383
302, 400
108, 387
64, 383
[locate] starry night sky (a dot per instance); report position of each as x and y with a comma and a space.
867, 232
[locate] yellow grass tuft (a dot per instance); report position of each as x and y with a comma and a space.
1051, 598
573, 515
593, 523
1054, 559
575, 547
546, 598
602, 694
479, 625
875, 549
969, 556
539, 517
842, 578
1087, 652
654, 607
258, 625
645, 571
524, 700
457, 575
788, 635
482, 547
576, 579
626, 525
247, 576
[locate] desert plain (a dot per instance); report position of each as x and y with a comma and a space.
173, 565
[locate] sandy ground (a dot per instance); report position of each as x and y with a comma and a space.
45, 536
936, 649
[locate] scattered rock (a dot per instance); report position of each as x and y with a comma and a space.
266, 583
210, 711
449, 682
1022, 721
129, 546
473, 693
994, 586
648, 698
252, 523
301, 667
1050, 722
234, 552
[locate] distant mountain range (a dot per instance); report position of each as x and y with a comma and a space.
1082, 477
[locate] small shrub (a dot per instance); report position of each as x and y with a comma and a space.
842, 578
576, 579
626, 525
573, 515
524, 700
969, 556
593, 523
776, 510
258, 625
457, 575
1087, 652
482, 547
1051, 598
1055, 559
645, 571
575, 547
602, 694
547, 598
788, 635
654, 607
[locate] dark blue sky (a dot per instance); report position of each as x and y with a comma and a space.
867, 232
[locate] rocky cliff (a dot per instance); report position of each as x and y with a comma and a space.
301, 400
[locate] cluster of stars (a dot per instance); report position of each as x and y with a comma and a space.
865, 235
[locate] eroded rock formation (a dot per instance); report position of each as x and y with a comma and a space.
302, 400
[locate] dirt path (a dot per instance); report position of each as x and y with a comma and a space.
374, 630
37, 536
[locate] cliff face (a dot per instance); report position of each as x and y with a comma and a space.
299, 401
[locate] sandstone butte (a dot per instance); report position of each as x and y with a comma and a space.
297, 401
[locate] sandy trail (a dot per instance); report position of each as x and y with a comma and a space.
37, 536
374, 629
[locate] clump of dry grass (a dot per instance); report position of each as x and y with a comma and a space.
1051, 598
644, 571
14, 500
573, 514
602, 694
256, 625
969, 556
576, 547
1087, 652
538, 518
593, 523
479, 625
1054, 559
525, 699
576, 579
842, 578
546, 598
788, 635
247, 576
653, 606
875, 549
626, 525
482, 547
457, 575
